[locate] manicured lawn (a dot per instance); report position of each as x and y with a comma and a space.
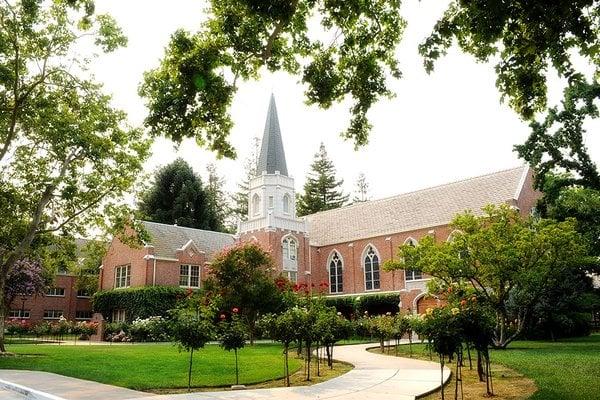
151, 366
568, 369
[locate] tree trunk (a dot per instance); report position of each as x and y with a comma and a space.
442, 375
237, 370
287, 367
3, 310
381, 345
190, 370
308, 358
479, 366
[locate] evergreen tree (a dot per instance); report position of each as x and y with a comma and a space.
217, 200
240, 198
362, 189
177, 197
322, 191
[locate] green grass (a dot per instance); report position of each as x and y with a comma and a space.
563, 370
151, 366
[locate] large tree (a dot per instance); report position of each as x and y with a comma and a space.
67, 157
240, 198
217, 199
362, 189
510, 261
177, 196
322, 190
348, 49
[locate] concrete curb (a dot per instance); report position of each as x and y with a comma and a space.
29, 393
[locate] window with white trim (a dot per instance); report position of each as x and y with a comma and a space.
412, 274
55, 292
255, 204
290, 249
286, 203
189, 276
83, 293
53, 314
336, 277
83, 315
123, 276
371, 265
118, 316
292, 276
271, 202
21, 314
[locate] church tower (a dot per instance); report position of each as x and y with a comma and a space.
272, 218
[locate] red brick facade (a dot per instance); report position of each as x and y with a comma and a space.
71, 306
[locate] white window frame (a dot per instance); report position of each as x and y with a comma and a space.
53, 314
285, 203
123, 279
365, 254
188, 275
338, 275
119, 315
255, 204
291, 276
409, 276
271, 202
55, 292
82, 296
20, 313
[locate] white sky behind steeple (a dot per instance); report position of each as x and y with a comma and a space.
439, 128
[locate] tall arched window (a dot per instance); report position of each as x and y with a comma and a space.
336, 277
286, 203
255, 204
290, 249
412, 274
371, 265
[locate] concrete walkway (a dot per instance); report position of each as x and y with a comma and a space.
375, 376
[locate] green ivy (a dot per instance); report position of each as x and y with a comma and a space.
374, 304
140, 302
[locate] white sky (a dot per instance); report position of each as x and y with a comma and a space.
441, 127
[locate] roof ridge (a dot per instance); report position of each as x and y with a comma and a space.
364, 203
187, 227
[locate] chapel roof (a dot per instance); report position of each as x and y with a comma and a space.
420, 209
272, 156
167, 239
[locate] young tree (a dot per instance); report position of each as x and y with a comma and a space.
510, 261
243, 275
362, 189
67, 157
177, 196
192, 329
322, 190
233, 337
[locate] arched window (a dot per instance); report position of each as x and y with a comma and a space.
336, 277
371, 264
412, 274
255, 204
290, 249
286, 203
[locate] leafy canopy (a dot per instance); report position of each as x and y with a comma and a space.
342, 50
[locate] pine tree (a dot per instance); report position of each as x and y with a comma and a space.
240, 198
178, 196
322, 191
362, 189
216, 199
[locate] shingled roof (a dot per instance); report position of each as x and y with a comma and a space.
272, 156
167, 239
415, 210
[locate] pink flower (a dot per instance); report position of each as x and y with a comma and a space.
235, 310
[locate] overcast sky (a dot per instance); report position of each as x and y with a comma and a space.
439, 128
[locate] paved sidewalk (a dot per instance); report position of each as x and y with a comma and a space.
375, 376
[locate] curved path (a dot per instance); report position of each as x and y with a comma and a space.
375, 376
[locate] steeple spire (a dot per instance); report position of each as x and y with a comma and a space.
272, 156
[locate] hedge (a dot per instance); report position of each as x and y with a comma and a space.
374, 304
139, 302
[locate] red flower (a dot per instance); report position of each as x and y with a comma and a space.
222, 317
463, 302
235, 310
450, 289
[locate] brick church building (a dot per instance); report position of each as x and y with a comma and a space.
345, 247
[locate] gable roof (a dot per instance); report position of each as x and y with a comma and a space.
272, 156
424, 208
167, 239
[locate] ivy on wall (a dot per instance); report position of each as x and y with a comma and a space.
139, 302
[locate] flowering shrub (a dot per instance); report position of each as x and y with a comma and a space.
85, 329
152, 329
18, 327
